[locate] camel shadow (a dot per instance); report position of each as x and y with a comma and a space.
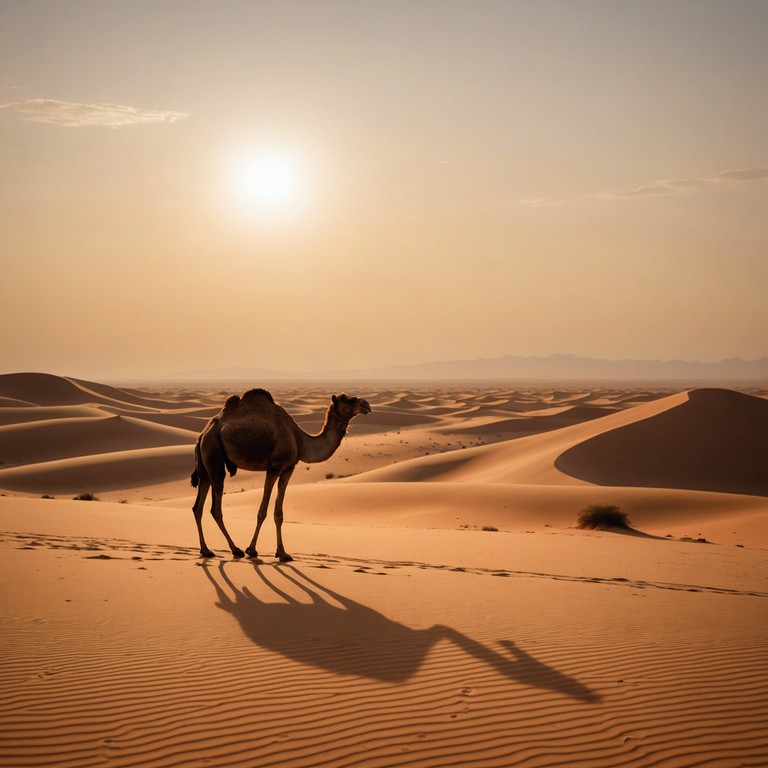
335, 633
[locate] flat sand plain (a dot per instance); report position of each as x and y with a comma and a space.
442, 608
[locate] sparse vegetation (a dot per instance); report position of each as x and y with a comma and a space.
601, 517
490, 528
46, 496
85, 497
329, 475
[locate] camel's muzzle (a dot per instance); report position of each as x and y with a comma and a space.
365, 409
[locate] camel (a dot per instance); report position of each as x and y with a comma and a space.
253, 432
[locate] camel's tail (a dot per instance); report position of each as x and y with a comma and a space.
195, 478
230, 465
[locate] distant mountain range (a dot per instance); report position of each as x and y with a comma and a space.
553, 367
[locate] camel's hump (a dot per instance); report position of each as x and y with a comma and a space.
253, 398
257, 394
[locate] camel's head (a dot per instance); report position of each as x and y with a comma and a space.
348, 407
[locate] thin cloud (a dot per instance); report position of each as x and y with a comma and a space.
741, 176
656, 188
538, 202
672, 186
74, 115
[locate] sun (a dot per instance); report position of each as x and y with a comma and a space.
269, 184
272, 180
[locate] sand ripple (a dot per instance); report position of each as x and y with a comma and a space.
273, 665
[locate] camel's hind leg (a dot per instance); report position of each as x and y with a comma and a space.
217, 492
211, 471
202, 492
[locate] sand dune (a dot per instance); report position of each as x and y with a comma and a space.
395, 418
442, 608
595, 442
12, 402
526, 460
520, 507
65, 444
132, 397
42, 389
29, 413
712, 440
46, 389
102, 471
541, 422
186, 421
66, 437
716, 441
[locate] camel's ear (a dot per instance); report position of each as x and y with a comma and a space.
333, 398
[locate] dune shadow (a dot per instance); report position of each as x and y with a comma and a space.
327, 630
715, 442
634, 533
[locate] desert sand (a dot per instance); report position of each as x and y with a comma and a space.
442, 608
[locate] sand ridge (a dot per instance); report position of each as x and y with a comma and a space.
716, 441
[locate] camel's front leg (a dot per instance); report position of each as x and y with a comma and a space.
269, 484
281, 486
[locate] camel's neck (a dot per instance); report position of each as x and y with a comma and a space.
315, 448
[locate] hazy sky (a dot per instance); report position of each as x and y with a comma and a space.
307, 185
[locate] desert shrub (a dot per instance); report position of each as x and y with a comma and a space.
329, 475
490, 528
600, 517
46, 496
85, 497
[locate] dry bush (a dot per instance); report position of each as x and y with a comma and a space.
601, 517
